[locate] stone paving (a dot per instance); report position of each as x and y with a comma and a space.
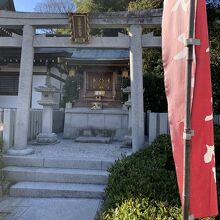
48, 209
69, 148
12, 208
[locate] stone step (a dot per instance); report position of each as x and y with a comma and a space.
57, 175
85, 139
56, 190
69, 163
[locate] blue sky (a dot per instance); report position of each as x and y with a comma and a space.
29, 5
26, 5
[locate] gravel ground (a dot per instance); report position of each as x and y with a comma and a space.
69, 148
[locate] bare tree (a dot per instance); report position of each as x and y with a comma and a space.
55, 6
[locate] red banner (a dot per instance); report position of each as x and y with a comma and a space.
203, 194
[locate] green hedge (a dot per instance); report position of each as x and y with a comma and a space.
143, 186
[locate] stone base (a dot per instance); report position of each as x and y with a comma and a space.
102, 140
105, 123
20, 152
46, 138
127, 142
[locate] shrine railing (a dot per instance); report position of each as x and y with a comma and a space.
8, 116
157, 123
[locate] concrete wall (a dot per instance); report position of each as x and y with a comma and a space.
8, 101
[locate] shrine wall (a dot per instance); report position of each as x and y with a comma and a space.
10, 101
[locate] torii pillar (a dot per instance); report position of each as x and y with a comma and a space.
24, 94
137, 99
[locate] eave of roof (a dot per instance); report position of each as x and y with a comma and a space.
7, 5
87, 54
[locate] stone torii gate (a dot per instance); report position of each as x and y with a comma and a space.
134, 21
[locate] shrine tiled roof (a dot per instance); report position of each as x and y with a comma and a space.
86, 54
100, 54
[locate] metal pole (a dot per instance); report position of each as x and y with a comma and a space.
187, 121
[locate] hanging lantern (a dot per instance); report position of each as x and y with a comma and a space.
125, 73
72, 72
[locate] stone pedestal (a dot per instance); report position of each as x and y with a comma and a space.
127, 90
103, 123
47, 138
47, 101
47, 119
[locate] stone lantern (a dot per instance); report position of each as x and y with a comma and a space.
48, 102
128, 139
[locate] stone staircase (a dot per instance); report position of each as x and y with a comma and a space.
56, 177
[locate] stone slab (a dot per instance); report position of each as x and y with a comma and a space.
69, 163
124, 121
84, 118
113, 121
12, 212
111, 111
72, 163
120, 133
153, 127
22, 161
68, 119
127, 141
49, 209
163, 121
96, 120
22, 174
107, 164
46, 138
79, 120
56, 190
104, 140
70, 132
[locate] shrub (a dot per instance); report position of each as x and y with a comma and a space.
138, 209
144, 186
71, 88
154, 93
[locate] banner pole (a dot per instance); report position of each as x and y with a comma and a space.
190, 42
